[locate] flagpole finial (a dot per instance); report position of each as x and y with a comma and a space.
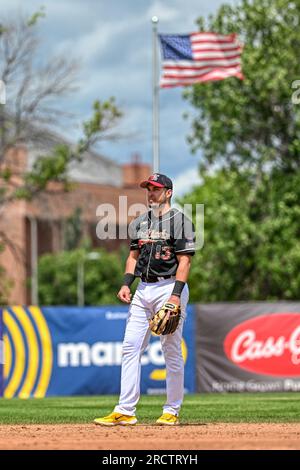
154, 19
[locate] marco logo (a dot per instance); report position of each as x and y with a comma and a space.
110, 354
103, 354
27, 352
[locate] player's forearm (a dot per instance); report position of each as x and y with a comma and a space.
130, 265
129, 276
182, 274
183, 269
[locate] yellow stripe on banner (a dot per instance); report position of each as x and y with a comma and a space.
158, 374
19, 365
47, 356
184, 350
33, 352
7, 356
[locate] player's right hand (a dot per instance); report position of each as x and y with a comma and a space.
124, 294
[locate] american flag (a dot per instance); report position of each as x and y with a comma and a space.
199, 57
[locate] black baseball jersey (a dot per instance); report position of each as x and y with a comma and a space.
158, 239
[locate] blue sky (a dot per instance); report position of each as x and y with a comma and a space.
112, 41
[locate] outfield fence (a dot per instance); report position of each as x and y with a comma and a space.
227, 347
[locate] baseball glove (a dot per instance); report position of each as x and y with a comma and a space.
166, 320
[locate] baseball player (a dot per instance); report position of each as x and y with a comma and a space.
162, 244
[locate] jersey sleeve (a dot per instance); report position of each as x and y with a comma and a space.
184, 236
133, 234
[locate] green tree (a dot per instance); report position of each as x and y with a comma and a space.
252, 122
58, 278
252, 246
34, 89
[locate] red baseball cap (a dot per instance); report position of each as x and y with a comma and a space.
159, 180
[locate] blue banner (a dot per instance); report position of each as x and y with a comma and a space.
52, 351
1, 354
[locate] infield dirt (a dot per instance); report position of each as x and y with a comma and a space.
204, 436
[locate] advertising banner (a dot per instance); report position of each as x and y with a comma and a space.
1, 354
248, 347
52, 351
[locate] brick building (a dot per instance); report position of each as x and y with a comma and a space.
38, 226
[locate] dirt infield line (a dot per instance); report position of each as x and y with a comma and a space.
206, 436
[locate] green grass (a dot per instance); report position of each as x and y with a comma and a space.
214, 408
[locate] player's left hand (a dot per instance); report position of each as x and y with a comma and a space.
174, 299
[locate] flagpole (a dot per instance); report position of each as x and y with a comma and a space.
155, 98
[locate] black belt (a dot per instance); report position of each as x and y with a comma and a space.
155, 279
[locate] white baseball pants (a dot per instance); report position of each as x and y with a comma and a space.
148, 299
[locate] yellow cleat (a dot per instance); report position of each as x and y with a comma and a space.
168, 419
115, 419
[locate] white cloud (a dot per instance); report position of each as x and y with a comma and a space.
99, 40
185, 181
162, 11
113, 42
